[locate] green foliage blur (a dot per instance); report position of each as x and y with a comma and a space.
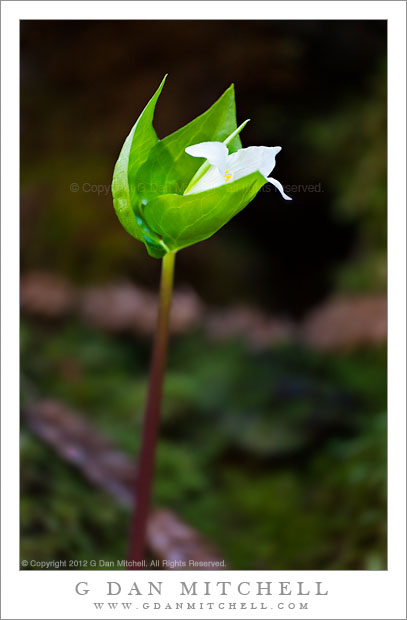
278, 457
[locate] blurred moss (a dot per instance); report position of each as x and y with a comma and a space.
61, 516
278, 457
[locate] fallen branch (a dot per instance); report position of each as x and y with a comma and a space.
77, 442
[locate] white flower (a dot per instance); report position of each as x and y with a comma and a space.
221, 168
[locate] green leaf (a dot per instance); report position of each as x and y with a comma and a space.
134, 153
185, 220
168, 169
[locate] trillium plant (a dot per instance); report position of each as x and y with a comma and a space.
170, 194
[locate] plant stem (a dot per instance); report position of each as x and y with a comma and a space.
145, 472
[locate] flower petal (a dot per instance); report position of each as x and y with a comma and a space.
240, 164
279, 187
246, 161
215, 152
212, 178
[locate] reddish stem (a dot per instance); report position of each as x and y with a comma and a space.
145, 473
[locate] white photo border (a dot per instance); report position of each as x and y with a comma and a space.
352, 594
